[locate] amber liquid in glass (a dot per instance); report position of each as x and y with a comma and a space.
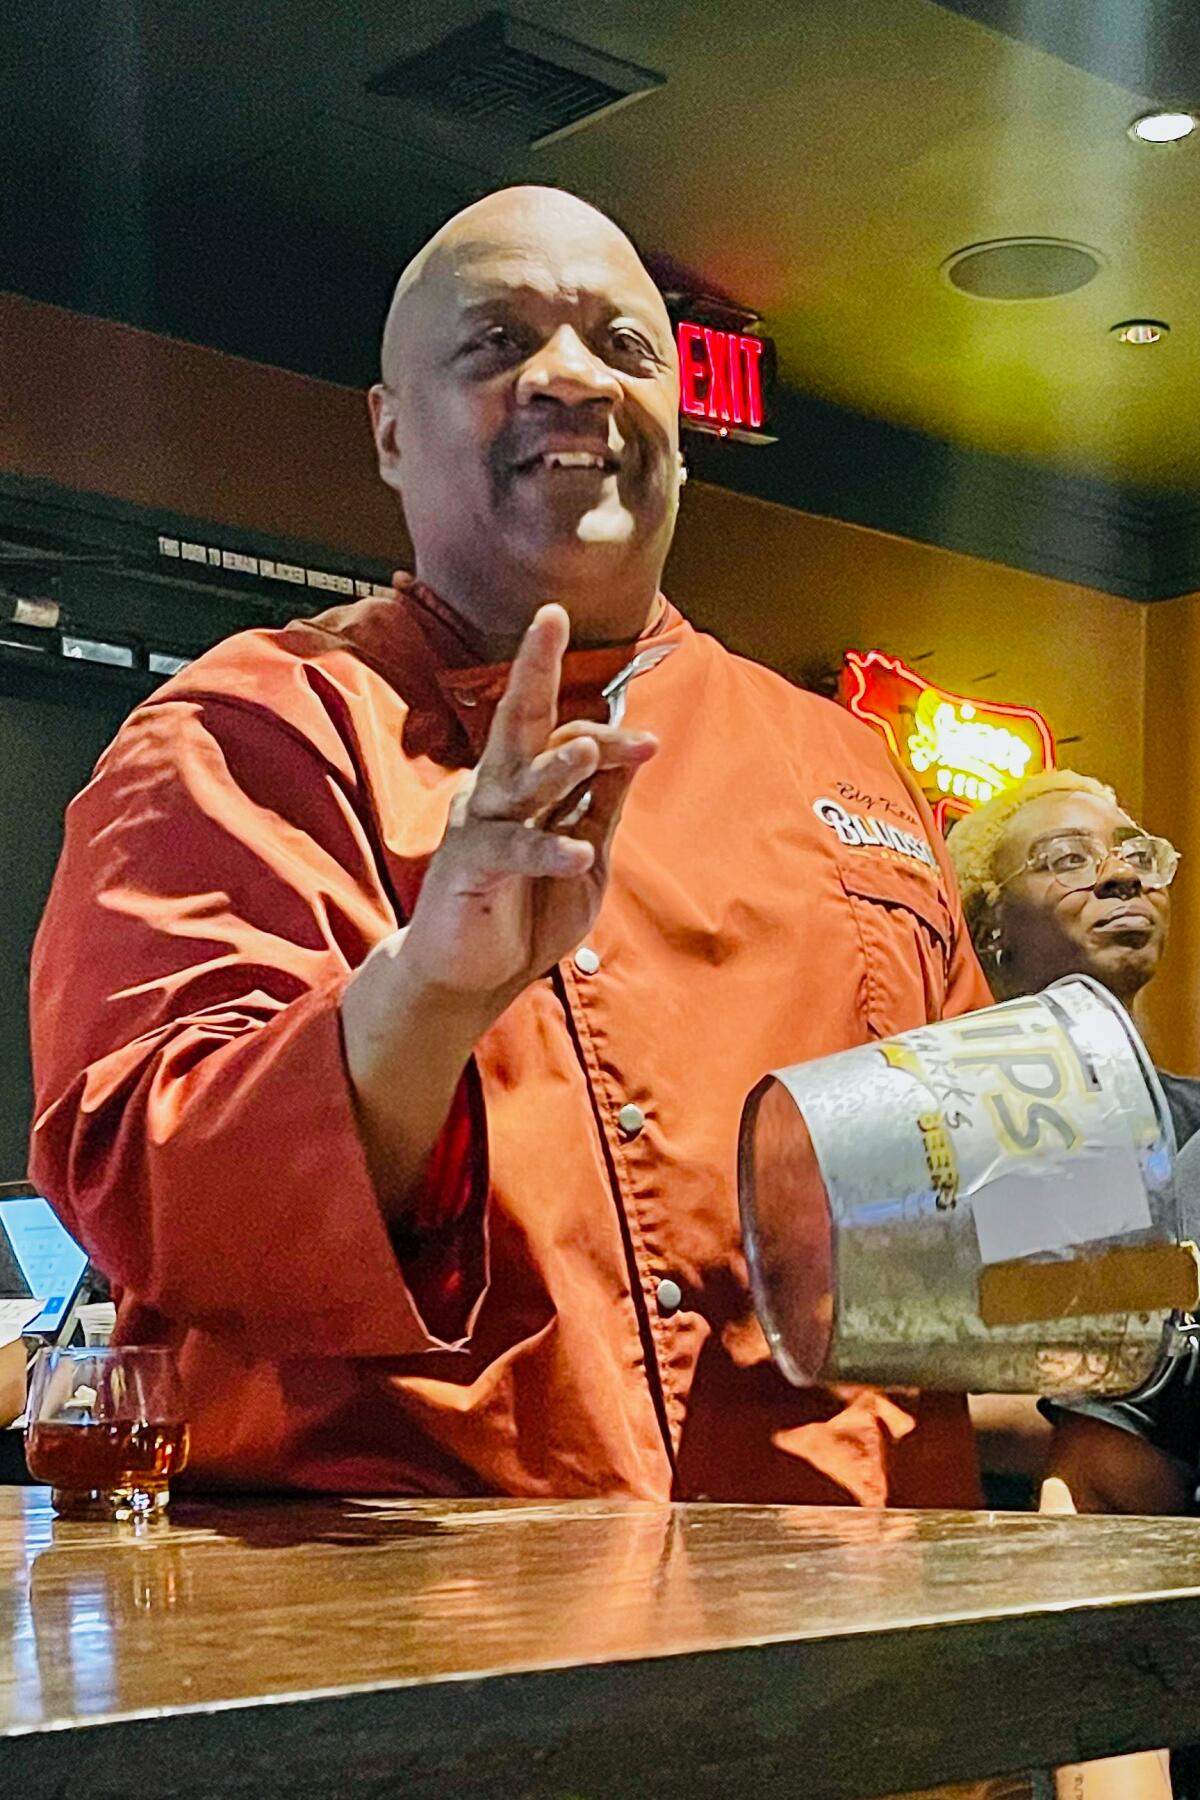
107, 1470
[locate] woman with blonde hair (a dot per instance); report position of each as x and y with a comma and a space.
1057, 879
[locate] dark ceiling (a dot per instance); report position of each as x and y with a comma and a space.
223, 174
1151, 50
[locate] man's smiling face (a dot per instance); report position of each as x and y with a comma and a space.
531, 397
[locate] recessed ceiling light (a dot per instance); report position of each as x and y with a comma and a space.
1162, 127
1140, 331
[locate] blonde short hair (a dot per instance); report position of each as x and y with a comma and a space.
975, 840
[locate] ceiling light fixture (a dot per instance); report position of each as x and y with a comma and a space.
1139, 331
1162, 127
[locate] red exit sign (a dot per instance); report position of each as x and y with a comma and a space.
720, 376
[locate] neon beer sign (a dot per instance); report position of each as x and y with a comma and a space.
720, 377
961, 751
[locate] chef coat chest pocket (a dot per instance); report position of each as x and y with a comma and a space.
904, 930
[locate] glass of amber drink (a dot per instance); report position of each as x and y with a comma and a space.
106, 1431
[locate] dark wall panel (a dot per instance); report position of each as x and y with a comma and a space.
47, 748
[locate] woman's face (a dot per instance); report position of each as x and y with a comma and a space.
1114, 930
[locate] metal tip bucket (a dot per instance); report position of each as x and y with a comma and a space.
984, 1204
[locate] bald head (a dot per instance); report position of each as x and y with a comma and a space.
528, 415
529, 223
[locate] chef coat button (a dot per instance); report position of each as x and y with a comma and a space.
631, 1119
586, 960
669, 1295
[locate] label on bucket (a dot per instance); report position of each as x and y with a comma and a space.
1029, 1130
1085, 1201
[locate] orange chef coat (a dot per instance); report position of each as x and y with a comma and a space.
777, 892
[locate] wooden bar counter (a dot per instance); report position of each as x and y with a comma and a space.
490, 1650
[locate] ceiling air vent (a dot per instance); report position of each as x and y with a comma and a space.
1022, 268
515, 80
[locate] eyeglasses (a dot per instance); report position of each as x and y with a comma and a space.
1077, 860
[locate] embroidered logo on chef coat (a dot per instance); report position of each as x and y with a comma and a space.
864, 833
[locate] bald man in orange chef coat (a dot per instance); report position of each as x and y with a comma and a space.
393, 1010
